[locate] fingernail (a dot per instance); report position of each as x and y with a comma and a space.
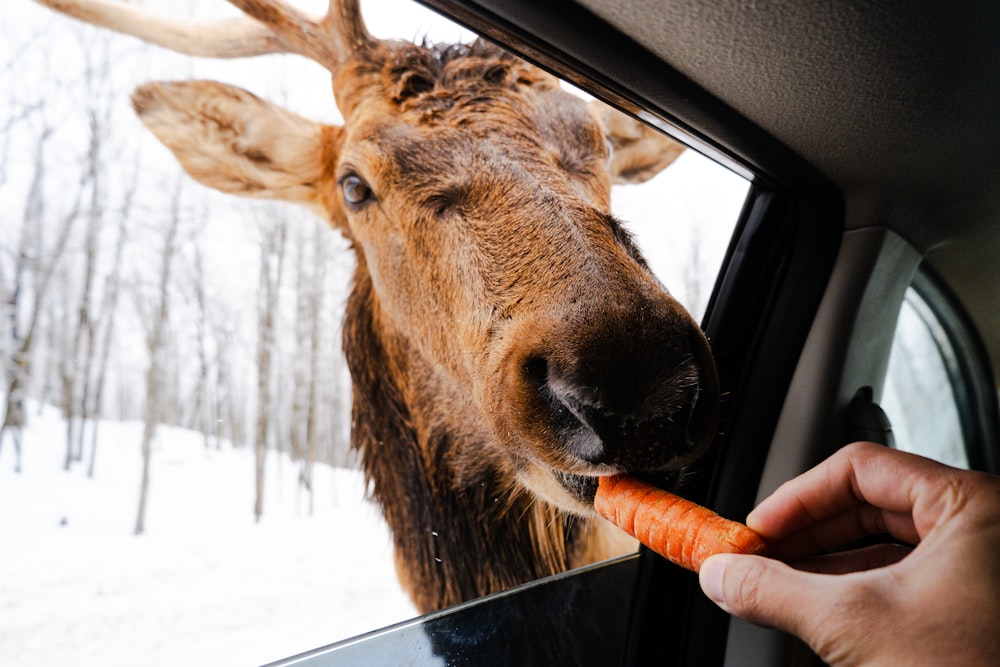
710, 578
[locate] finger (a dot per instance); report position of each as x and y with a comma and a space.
762, 590
856, 560
849, 526
859, 474
830, 613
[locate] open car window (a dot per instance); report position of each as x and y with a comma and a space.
196, 530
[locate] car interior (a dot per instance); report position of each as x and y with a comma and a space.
867, 131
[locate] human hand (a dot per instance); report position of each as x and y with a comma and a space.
935, 604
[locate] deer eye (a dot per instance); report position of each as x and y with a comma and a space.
356, 191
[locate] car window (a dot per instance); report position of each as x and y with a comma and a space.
940, 393
157, 517
919, 396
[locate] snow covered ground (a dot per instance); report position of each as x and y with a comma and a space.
204, 585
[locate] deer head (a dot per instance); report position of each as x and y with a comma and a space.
476, 193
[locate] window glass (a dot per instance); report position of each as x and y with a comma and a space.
919, 395
683, 220
208, 510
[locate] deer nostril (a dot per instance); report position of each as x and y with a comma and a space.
536, 372
573, 407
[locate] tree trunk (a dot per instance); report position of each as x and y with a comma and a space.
271, 266
13, 420
155, 345
316, 307
222, 404
108, 315
203, 403
302, 365
85, 338
18, 366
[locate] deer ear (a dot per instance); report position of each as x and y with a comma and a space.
233, 141
638, 152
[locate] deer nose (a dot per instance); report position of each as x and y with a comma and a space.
639, 412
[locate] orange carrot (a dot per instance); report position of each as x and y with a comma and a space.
679, 530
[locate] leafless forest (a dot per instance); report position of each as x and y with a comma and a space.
129, 292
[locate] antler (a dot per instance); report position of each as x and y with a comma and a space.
275, 27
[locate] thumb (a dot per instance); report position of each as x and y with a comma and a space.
762, 590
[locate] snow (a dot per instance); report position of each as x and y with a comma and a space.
204, 584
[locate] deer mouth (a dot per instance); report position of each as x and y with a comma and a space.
584, 487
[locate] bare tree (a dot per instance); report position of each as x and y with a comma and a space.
300, 362
85, 341
315, 300
202, 390
94, 49
311, 254
272, 254
17, 111
35, 264
155, 344
226, 417
7, 131
108, 313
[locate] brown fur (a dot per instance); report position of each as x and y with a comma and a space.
464, 523
507, 342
